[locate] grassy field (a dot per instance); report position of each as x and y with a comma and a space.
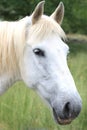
22, 109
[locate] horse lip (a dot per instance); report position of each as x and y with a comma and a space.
60, 120
64, 121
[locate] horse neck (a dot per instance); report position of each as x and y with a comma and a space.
7, 80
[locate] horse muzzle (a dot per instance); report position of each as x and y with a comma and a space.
60, 120
65, 114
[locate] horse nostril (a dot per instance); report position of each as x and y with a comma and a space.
66, 110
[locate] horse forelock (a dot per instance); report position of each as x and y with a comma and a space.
44, 28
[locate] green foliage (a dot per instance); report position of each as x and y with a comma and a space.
22, 109
75, 20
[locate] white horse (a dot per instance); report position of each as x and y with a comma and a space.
32, 50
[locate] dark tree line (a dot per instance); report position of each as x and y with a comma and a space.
75, 20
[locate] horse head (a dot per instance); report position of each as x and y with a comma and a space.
44, 64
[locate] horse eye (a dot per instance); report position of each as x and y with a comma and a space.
38, 52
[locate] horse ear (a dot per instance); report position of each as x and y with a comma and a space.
38, 12
58, 14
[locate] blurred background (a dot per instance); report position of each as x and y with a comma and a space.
20, 107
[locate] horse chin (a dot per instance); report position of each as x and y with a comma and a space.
60, 120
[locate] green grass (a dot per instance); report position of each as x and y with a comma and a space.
22, 109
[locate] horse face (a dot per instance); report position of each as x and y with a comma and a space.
44, 67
